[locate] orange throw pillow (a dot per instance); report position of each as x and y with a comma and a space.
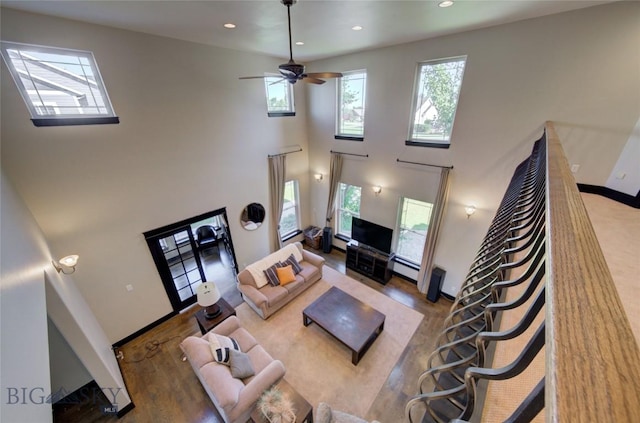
285, 275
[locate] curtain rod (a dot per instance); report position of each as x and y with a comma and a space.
282, 154
350, 154
424, 164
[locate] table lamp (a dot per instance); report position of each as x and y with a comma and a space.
208, 296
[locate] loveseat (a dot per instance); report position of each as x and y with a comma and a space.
234, 380
267, 297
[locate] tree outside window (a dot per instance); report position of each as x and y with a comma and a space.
436, 100
279, 95
351, 104
348, 206
413, 226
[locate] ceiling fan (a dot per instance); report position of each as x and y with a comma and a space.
292, 71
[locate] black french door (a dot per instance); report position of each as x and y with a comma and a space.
176, 254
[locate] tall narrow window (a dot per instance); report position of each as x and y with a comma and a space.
279, 96
59, 86
413, 224
290, 220
437, 89
351, 96
348, 206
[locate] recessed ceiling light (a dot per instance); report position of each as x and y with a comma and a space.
229, 25
446, 3
299, 43
356, 28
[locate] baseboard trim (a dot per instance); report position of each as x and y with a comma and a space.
144, 329
126, 409
612, 194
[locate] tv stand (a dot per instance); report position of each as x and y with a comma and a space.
369, 262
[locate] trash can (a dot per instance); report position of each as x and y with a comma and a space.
327, 237
435, 284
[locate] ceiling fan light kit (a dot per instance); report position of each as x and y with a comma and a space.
292, 71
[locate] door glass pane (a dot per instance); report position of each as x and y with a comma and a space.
183, 265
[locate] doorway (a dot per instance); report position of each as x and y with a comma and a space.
193, 251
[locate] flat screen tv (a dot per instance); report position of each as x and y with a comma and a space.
371, 234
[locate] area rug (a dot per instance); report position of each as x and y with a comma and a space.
317, 365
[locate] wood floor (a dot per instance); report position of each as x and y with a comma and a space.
165, 389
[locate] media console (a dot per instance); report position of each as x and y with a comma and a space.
368, 262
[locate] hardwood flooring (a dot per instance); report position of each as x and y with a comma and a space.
164, 388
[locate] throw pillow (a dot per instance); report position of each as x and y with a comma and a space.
291, 260
285, 275
221, 346
240, 365
271, 274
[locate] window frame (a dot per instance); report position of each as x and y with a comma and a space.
402, 226
445, 142
58, 119
340, 209
273, 79
340, 134
295, 206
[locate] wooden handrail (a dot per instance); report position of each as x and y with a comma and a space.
592, 358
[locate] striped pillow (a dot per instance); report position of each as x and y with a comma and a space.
291, 260
220, 346
272, 275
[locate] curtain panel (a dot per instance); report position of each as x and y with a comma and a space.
335, 173
276, 182
435, 224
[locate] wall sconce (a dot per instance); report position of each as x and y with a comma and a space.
68, 262
470, 210
318, 177
377, 189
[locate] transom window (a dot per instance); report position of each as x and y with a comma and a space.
59, 86
279, 96
290, 219
413, 224
351, 97
348, 206
437, 89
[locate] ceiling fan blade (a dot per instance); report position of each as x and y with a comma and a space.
278, 81
251, 77
324, 74
313, 80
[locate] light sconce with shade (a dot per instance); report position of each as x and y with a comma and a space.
469, 210
208, 297
377, 189
68, 262
318, 177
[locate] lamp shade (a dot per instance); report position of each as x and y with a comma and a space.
208, 294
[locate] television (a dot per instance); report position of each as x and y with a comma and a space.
371, 234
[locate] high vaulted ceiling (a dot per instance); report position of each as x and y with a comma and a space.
325, 26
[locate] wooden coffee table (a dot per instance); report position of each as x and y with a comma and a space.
352, 322
303, 410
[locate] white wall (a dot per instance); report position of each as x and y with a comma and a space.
192, 138
517, 76
31, 290
68, 374
24, 368
625, 176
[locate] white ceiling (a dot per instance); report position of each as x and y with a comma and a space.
323, 25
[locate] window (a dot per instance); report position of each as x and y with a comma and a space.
59, 86
348, 206
290, 219
351, 102
413, 224
437, 89
279, 96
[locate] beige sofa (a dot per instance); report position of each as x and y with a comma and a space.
265, 298
234, 398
